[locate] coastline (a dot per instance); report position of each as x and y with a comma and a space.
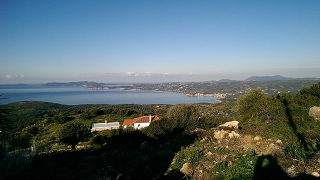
215, 95
81, 95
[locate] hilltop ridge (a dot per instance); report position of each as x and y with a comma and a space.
78, 83
277, 78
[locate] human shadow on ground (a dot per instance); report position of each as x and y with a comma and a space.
267, 168
293, 125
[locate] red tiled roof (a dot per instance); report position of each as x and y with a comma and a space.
128, 122
142, 119
156, 118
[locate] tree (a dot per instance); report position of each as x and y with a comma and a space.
73, 132
62, 118
313, 90
4, 112
185, 116
252, 104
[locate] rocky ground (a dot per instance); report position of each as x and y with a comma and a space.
229, 143
224, 152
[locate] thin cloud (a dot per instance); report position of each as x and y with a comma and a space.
14, 76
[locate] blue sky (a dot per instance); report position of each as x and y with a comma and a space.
157, 41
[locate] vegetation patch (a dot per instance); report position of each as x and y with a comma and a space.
276, 139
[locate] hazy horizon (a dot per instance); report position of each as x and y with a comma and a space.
157, 41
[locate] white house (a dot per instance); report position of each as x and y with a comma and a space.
140, 122
105, 126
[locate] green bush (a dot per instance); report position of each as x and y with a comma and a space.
34, 130
98, 139
73, 132
313, 90
185, 116
254, 107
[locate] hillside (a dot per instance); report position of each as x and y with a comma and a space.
268, 78
264, 138
277, 78
79, 83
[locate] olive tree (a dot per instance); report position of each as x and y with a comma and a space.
252, 104
185, 116
73, 132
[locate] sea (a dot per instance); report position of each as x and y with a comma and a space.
75, 95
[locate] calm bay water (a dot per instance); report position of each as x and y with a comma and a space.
80, 95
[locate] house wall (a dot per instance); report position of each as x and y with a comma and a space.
141, 125
94, 128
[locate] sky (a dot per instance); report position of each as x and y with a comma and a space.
157, 40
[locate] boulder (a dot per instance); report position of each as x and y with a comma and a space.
233, 134
315, 174
291, 171
257, 138
208, 153
219, 134
279, 142
231, 124
187, 169
315, 112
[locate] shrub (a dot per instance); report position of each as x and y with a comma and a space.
98, 139
185, 116
251, 104
313, 90
74, 132
33, 130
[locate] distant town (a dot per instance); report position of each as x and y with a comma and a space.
224, 89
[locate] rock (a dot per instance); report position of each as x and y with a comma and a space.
257, 138
204, 139
144, 146
291, 170
208, 153
315, 174
234, 135
230, 124
201, 133
315, 112
219, 134
199, 130
187, 169
279, 142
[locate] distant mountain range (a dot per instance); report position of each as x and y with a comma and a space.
226, 80
79, 83
96, 84
277, 78
268, 78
